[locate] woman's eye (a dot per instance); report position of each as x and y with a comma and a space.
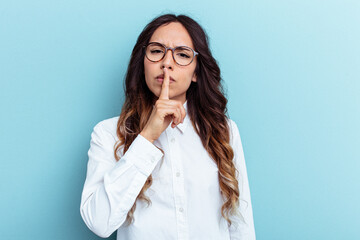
183, 55
155, 51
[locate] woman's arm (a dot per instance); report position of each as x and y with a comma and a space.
111, 187
243, 224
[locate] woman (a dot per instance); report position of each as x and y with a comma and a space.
148, 180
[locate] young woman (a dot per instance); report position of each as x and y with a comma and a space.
148, 179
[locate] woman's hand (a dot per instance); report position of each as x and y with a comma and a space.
164, 111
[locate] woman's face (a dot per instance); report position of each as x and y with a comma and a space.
171, 35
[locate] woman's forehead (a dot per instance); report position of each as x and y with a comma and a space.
172, 35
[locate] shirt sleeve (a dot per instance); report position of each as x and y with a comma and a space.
242, 227
111, 186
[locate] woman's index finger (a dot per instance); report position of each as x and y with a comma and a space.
164, 94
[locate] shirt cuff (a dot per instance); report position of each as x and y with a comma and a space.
143, 154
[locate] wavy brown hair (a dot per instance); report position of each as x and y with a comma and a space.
206, 110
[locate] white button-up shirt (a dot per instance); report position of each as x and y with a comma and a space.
185, 193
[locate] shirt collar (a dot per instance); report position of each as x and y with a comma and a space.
182, 126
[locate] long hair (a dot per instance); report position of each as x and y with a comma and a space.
206, 110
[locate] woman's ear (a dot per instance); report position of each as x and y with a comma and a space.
194, 77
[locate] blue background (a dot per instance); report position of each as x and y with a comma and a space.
291, 70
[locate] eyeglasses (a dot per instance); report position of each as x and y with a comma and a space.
182, 55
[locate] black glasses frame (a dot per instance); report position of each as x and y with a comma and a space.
172, 51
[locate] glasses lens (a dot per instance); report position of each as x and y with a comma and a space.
155, 52
183, 55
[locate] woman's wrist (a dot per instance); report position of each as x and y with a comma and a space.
142, 133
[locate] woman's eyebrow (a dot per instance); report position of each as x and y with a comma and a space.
182, 45
178, 45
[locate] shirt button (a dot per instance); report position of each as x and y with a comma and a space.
152, 160
178, 174
173, 140
181, 209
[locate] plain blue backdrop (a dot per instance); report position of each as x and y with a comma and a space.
291, 70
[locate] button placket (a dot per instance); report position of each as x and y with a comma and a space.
178, 185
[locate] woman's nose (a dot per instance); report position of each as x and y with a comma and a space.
168, 60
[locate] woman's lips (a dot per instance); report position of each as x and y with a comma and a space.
160, 80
